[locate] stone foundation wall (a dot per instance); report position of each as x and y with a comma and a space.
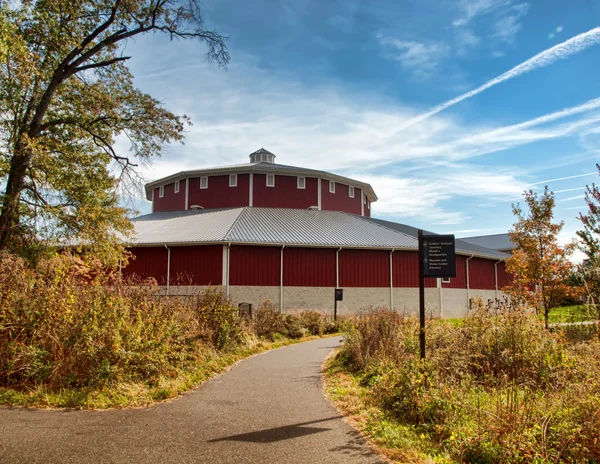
405, 300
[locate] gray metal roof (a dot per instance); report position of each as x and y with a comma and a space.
462, 246
313, 228
495, 242
261, 167
173, 227
281, 226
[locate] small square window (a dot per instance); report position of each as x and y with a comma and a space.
233, 180
176, 186
301, 182
445, 280
368, 205
204, 182
161, 191
351, 192
331, 186
270, 180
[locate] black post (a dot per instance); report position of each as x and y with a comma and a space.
421, 296
335, 303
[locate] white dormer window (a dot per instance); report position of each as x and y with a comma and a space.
368, 205
331, 186
301, 182
204, 182
161, 191
351, 192
177, 186
233, 180
270, 180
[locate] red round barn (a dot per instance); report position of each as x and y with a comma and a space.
291, 235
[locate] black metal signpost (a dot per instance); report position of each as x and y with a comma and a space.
339, 296
437, 258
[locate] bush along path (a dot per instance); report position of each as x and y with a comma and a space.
267, 409
498, 388
73, 335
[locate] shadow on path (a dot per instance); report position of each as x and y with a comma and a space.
278, 433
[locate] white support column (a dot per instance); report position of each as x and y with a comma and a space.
391, 280
281, 280
168, 269
468, 288
251, 192
187, 194
225, 272
496, 275
362, 203
319, 194
152, 200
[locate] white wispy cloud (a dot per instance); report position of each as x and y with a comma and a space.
420, 58
470, 9
508, 25
546, 58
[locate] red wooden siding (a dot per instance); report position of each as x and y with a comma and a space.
171, 201
148, 262
286, 193
340, 200
406, 270
254, 265
504, 278
364, 268
460, 281
481, 274
196, 265
219, 194
309, 267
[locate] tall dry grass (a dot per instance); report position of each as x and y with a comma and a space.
67, 323
497, 389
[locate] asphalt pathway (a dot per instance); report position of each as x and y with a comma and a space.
267, 409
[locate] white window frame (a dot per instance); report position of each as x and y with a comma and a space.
233, 180
445, 280
272, 177
351, 191
161, 191
205, 179
331, 186
176, 188
301, 182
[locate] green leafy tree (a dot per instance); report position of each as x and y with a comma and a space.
589, 271
65, 95
540, 267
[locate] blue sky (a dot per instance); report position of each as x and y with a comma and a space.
348, 86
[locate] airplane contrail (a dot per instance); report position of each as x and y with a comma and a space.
547, 57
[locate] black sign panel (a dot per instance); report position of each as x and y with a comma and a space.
339, 294
438, 255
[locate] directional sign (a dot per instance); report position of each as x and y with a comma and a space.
339, 294
438, 255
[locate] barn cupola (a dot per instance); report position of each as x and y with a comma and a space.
262, 156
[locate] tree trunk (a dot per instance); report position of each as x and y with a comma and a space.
9, 216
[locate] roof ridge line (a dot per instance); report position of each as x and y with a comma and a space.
366, 219
243, 210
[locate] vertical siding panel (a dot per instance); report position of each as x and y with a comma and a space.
504, 277
171, 201
309, 267
285, 194
460, 281
481, 274
340, 200
406, 270
147, 262
197, 265
364, 268
254, 265
219, 194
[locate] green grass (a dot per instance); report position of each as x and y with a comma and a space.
126, 395
574, 313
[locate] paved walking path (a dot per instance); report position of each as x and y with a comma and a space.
267, 409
